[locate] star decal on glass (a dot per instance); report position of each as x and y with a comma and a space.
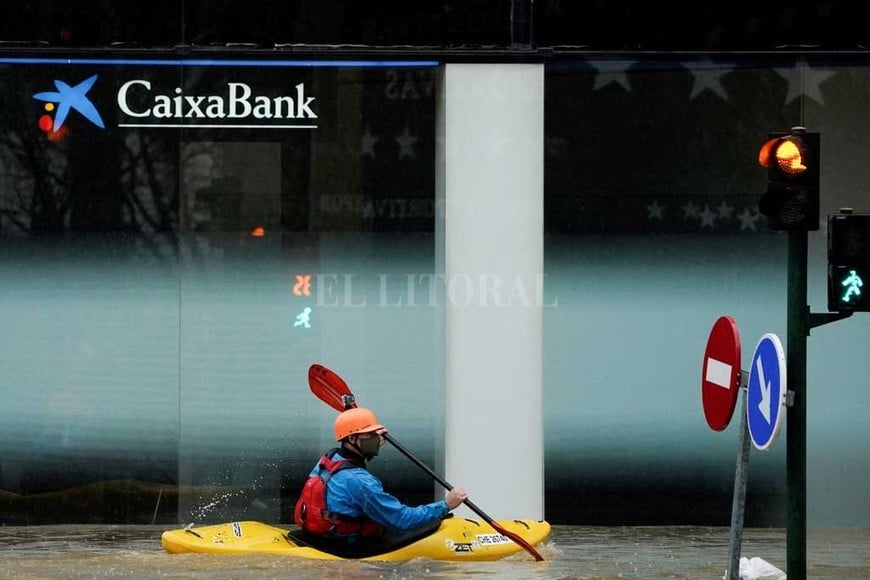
406, 143
612, 72
804, 81
655, 211
707, 76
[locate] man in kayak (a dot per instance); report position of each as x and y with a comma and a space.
345, 503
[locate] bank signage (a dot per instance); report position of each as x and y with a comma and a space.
236, 101
142, 103
65, 99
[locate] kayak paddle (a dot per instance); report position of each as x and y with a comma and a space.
332, 390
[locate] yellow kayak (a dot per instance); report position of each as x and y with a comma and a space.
455, 538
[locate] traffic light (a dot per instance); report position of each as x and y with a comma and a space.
792, 198
849, 262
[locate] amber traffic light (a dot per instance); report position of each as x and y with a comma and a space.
792, 198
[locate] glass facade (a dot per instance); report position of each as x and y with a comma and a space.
184, 255
174, 256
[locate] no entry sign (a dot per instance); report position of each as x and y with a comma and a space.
720, 375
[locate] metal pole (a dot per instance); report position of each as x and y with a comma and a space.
796, 372
738, 505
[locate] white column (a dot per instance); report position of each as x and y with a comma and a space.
489, 240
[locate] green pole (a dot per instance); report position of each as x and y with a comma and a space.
796, 374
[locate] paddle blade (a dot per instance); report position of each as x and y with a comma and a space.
518, 540
330, 388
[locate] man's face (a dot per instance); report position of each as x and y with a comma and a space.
369, 443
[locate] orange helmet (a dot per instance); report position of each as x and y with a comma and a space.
355, 421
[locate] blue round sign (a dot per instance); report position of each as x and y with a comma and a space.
766, 391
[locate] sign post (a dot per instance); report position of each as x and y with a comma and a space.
738, 503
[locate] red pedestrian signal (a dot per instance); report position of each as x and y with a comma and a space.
302, 287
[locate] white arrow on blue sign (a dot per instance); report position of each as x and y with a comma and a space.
766, 391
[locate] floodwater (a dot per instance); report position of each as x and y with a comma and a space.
573, 552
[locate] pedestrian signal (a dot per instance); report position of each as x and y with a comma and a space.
849, 262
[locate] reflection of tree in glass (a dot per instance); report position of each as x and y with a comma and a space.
32, 193
90, 180
148, 183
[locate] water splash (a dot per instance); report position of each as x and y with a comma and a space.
223, 498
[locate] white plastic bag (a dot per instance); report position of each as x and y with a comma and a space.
759, 569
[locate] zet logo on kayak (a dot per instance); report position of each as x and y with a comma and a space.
65, 99
460, 547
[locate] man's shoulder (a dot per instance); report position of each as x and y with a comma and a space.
354, 469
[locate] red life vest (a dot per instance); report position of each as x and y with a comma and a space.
311, 513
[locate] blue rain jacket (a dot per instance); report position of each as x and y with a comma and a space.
355, 493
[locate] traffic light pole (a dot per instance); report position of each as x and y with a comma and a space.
800, 322
791, 204
796, 431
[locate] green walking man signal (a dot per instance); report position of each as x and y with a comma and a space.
848, 261
853, 285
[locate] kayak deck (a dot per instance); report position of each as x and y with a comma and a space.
455, 539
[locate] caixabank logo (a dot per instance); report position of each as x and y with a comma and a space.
235, 105
65, 99
144, 105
